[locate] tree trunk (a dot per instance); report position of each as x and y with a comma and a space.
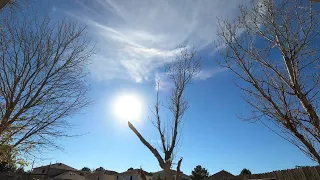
147, 144
143, 177
167, 171
167, 174
179, 174
3, 3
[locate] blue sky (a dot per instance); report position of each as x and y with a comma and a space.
134, 40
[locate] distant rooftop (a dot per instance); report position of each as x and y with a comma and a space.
184, 176
220, 175
59, 166
102, 171
134, 172
70, 176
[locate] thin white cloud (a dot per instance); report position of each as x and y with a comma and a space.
208, 73
136, 38
165, 84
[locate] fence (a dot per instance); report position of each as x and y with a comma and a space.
301, 173
14, 176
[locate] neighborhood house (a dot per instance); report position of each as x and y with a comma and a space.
60, 171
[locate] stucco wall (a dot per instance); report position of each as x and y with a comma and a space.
100, 176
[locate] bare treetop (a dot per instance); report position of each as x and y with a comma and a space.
42, 71
181, 71
274, 49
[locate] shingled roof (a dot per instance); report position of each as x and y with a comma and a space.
102, 171
173, 172
110, 172
220, 175
70, 176
135, 172
59, 166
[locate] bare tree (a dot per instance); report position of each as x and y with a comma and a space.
273, 48
42, 73
3, 3
13, 4
180, 72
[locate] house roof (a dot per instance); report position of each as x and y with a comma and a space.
59, 166
108, 172
135, 172
221, 174
69, 175
83, 172
173, 172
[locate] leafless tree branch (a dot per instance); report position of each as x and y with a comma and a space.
272, 47
42, 71
181, 71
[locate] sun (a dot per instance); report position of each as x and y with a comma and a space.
128, 107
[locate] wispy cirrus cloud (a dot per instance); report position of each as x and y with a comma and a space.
208, 73
136, 38
165, 84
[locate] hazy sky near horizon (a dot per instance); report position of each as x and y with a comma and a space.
134, 40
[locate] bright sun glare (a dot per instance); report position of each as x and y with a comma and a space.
128, 107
